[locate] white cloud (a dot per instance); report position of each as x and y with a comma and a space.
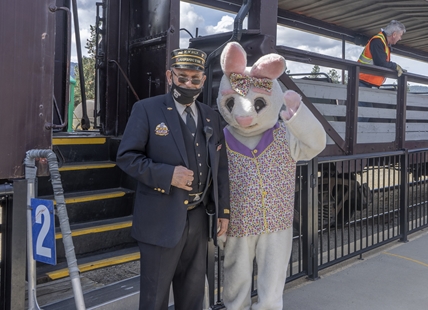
209, 21
189, 19
224, 25
86, 11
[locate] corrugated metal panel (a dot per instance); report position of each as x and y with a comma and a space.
26, 81
349, 19
368, 16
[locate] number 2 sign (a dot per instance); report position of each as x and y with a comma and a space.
43, 220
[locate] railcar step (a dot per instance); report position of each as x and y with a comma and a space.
81, 176
46, 273
77, 197
83, 267
84, 149
87, 166
78, 140
97, 237
97, 227
97, 205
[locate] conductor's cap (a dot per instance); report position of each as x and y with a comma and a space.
188, 58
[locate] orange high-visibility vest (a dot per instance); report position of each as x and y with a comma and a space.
367, 58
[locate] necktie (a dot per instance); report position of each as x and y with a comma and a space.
190, 122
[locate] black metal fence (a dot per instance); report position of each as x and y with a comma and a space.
347, 206
417, 191
344, 207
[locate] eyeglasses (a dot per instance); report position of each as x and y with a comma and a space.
184, 80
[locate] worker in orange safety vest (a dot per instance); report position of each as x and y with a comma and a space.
378, 52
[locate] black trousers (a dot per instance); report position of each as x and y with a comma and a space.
184, 266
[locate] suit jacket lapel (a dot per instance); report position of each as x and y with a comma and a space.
172, 118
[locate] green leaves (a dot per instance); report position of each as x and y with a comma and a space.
88, 71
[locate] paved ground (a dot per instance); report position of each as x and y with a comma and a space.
50, 292
392, 277
115, 273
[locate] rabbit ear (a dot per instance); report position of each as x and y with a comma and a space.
269, 66
233, 59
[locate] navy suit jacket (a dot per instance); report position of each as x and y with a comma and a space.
149, 153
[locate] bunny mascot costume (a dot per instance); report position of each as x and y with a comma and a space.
262, 153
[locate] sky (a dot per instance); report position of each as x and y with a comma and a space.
209, 21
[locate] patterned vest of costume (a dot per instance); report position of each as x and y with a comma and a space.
262, 183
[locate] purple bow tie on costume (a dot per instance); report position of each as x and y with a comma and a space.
241, 83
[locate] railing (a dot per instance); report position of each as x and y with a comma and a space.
399, 119
359, 205
347, 206
418, 190
344, 207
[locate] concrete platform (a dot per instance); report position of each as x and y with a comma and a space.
393, 277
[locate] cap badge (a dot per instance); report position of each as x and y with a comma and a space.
188, 58
161, 130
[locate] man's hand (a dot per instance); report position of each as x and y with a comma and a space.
400, 70
222, 225
182, 178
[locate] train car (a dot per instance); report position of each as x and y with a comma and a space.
134, 39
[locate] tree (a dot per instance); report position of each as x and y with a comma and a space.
334, 76
88, 63
315, 70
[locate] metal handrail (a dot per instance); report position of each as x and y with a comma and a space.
64, 122
30, 175
84, 122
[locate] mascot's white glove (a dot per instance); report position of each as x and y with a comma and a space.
221, 241
292, 102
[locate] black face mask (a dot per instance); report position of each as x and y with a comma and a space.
184, 95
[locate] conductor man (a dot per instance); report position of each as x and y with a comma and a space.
174, 147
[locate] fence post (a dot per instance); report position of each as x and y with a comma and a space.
211, 271
310, 219
305, 221
404, 195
